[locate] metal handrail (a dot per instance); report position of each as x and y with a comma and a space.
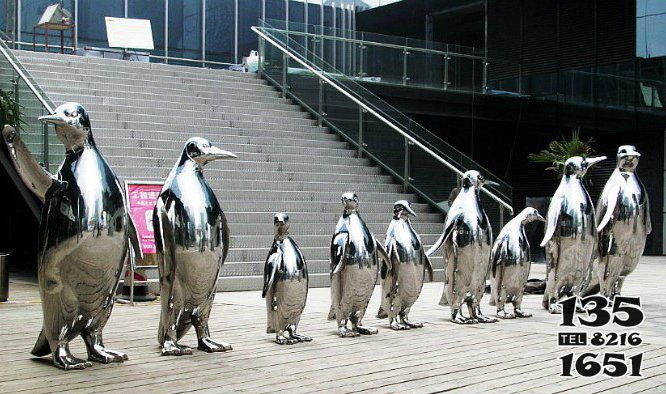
5, 52
373, 112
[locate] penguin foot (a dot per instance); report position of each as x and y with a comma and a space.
522, 314
555, 308
413, 324
345, 332
381, 313
366, 330
103, 355
208, 345
171, 348
282, 340
398, 326
67, 361
486, 319
300, 338
505, 315
460, 319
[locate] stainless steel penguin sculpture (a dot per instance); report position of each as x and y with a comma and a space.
623, 224
570, 235
83, 239
466, 238
192, 241
402, 276
285, 285
355, 259
510, 264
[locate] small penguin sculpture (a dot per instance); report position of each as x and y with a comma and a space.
355, 259
285, 285
570, 235
510, 264
83, 239
623, 224
466, 238
402, 276
192, 241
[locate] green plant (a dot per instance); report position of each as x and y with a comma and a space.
10, 112
559, 151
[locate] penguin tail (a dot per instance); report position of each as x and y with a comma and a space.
331, 313
41, 347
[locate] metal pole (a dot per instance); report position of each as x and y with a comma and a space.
484, 88
76, 23
406, 174
446, 68
334, 35
261, 50
166, 31
320, 109
236, 31
45, 143
125, 8
361, 144
203, 33
405, 53
285, 64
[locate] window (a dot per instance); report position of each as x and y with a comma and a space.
185, 29
91, 25
220, 30
31, 12
249, 12
152, 10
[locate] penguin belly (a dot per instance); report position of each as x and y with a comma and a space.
514, 278
290, 296
410, 283
358, 285
573, 262
472, 267
196, 274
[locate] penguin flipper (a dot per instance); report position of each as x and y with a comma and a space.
448, 230
385, 266
338, 250
41, 347
553, 218
33, 175
381, 251
428, 265
226, 236
164, 250
134, 243
270, 268
608, 207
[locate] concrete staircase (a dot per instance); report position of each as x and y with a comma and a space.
142, 114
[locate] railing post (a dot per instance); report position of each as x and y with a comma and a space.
285, 66
408, 165
320, 108
520, 79
484, 88
446, 69
405, 78
261, 51
361, 144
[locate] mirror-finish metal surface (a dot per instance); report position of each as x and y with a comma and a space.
466, 238
402, 276
510, 264
623, 223
285, 285
355, 258
570, 235
192, 241
83, 239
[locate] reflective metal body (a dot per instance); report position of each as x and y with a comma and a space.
466, 238
402, 276
570, 234
355, 255
192, 241
623, 224
285, 285
510, 264
83, 239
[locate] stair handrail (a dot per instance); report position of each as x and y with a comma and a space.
370, 110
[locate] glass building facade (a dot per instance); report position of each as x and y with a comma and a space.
207, 30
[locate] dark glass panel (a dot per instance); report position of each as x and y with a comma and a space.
154, 11
220, 30
249, 12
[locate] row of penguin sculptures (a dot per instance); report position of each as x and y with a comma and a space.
86, 232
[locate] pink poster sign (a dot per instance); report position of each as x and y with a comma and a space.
141, 199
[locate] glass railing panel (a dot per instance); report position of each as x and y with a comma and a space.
426, 69
383, 64
429, 176
384, 144
340, 112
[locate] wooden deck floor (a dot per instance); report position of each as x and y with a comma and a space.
506, 357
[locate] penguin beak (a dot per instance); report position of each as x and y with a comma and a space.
631, 153
215, 153
540, 218
594, 160
53, 118
491, 183
410, 211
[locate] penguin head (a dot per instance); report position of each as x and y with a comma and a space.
627, 157
201, 151
402, 209
349, 201
473, 178
577, 166
529, 215
281, 225
72, 125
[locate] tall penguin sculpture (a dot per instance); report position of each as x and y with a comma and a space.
355, 259
570, 235
83, 239
285, 285
192, 241
402, 276
466, 238
623, 224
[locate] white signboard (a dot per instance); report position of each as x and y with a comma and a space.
129, 33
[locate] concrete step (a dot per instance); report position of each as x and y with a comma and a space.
305, 240
299, 219
322, 228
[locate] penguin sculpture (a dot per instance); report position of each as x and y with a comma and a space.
83, 239
285, 284
466, 238
623, 224
355, 259
570, 235
510, 264
192, 241
402, 276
